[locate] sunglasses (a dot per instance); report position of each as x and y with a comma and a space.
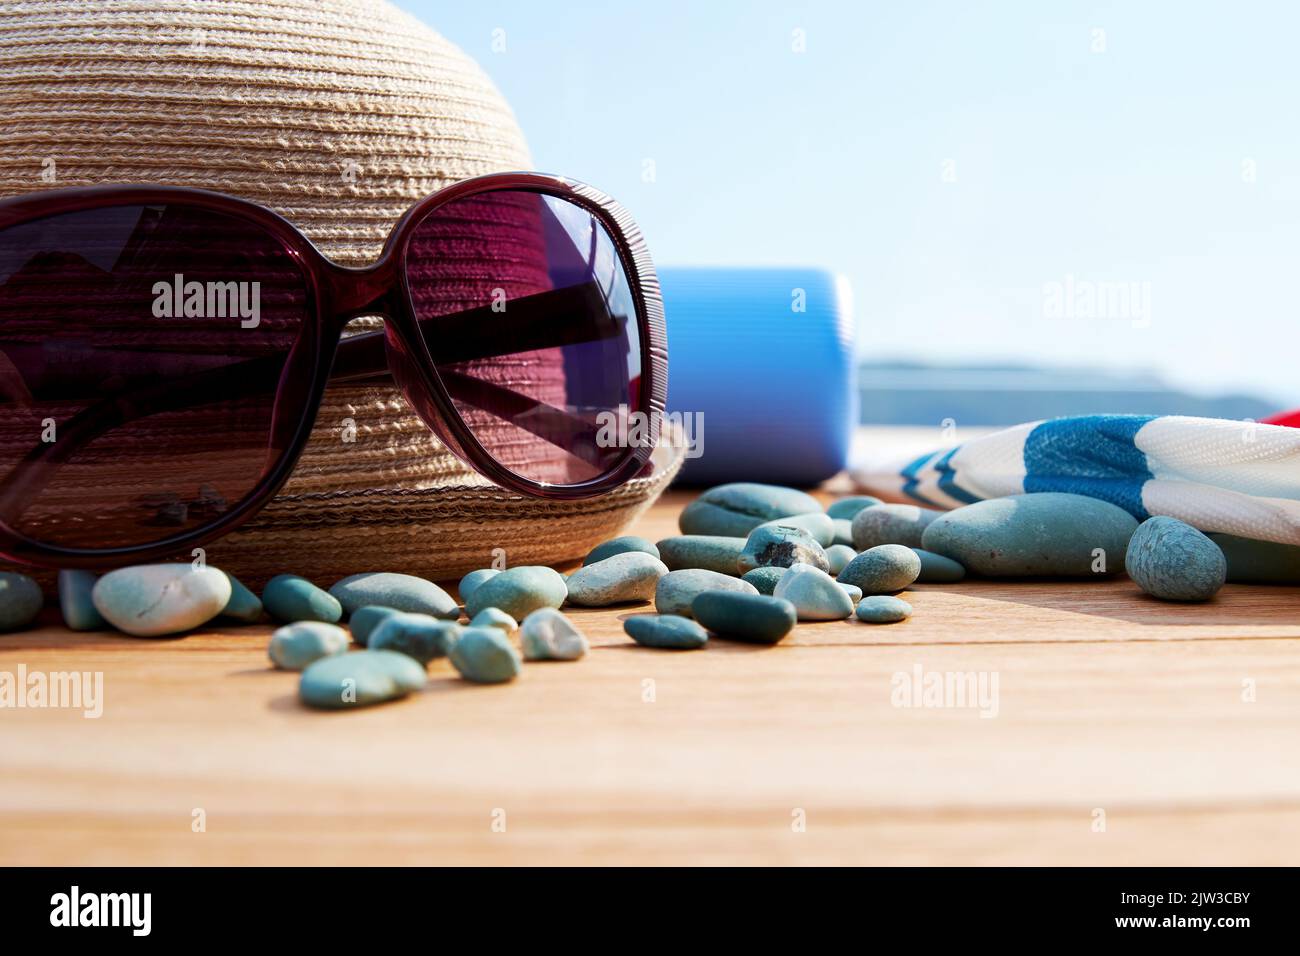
164, 351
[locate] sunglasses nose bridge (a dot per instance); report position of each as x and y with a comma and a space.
367, 291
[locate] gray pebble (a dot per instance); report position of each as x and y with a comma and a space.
848, 507
854, 592
519, 591
817, 523
753, 618
713, 552
843, 532
622, 578
157, 600
288, 598
628, 542
780, 546
838, 557
936, 569
891, 524
1046, 533
816, 595
883, 609
1170, 559
547, 635
883, 569
21, 600
678, 589
666, 631
405, 592
764, 579
737, 509
495, 617
294, 646
485, 656
421, 637
359, 679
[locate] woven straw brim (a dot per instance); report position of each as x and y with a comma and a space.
338, 114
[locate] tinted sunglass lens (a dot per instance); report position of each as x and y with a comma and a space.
141, 347
525, 306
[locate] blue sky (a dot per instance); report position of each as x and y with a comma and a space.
959, 162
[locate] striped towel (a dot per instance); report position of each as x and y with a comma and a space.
1238, 477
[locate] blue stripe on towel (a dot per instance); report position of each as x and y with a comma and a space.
948, 479
909, 477
1092, 455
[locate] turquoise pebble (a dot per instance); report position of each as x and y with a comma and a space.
421, 637
891, 524
817, 523
359, 679
854, 592
737, 509
883, 609
713, 552
838, 557
628, 542
547, 635
1259, 562
363, 621
816, 595
243, 605
1170, 559
519, 591
764, 579
21, 600
667, 631
75, 602
294, 646
780, 546
484, 655
936, 569
289, 598
405, 592
494, 617
620, 579
677, 590
472, 580
844, 532
754, 618
157, 600
882, 569
1045, 533
846, 508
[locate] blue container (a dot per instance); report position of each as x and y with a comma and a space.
762, 371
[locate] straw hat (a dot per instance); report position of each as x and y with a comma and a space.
338, 114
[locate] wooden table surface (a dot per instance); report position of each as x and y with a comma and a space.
1127, 731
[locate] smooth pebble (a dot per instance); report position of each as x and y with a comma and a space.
622, 545
738, 508
854, 592
764, 579
155, 600
472, 580
288, 598
1044, 533
363, 621
1170, 559
713, 552
359, 679
244, 606
817, 523
21, 600
676, 590
519, 591
294, 646
494, 617
485, 656
630, 576
883, 569
780, 546
75, 603
850, 506
891, 524
405, 592
753, 618
838, 557
421, 637
936, 569
816, 595
548, 635
666, 631
883, 609
1259, 562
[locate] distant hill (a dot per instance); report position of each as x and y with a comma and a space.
905, 393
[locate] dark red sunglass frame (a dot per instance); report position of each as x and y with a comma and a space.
336, 296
